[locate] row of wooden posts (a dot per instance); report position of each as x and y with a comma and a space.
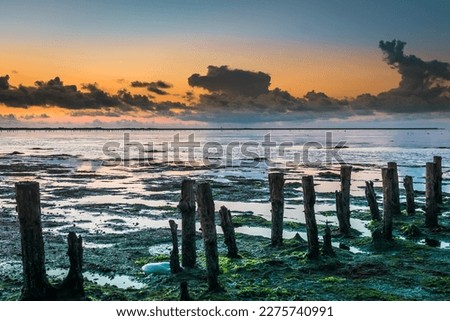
37, 287
206, 211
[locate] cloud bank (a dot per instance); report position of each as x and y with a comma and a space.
244, 96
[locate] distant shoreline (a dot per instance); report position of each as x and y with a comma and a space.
209, 129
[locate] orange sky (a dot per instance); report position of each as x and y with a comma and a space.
295, 67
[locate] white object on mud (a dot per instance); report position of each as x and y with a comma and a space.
157, 268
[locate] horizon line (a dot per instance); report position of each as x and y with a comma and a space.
206, 128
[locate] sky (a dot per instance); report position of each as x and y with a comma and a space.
229, 63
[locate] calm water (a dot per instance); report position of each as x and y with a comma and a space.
141, 171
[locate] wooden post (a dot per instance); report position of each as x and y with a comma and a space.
309, 199
72, 286
184, 292
396, 190
343, 200
438, 178
187, 208
431, 207
372, 201
409, 190
327, 247
206, 212
36, 285
276, 184
389, 202
228, 232
174, 255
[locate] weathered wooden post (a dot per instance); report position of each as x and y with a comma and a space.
174, 254
276, 184
309, 199
72, 286
206, 212
396, 189
431, 207
327, 246
372, 201
187, 208
36, 285
228, 232
389, 202
409, 190
184, 292
438, 178
343, 200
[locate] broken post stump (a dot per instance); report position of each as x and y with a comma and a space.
72, 286
187, 208
438, 178
36, 285
228, 232
206, 212
372, 201
174, 254
396, 189
276, 184
431, 206
409, 190
327, 246
309, 199
184, 292
343, 200
389, 202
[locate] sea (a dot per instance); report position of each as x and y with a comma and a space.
122, 180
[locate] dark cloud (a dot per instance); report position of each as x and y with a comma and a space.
87, 99
8, 120
33, 116
235, 82
94, 113
157, 91
426, 80
4, 82
189, 96
55, 93
156, 87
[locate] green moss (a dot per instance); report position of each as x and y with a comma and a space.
437, 284
332, 279
250, 220
264, 293
410, 230
294, 225
360, 293
152, 259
